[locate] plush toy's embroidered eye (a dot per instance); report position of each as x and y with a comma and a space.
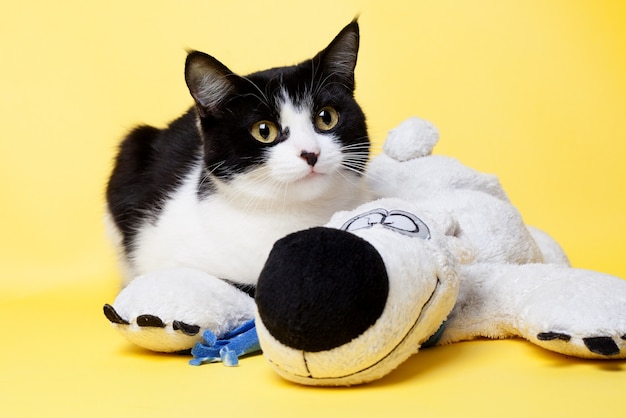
400, 221
406, 223
326, 119
264, 131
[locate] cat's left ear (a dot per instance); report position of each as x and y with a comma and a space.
339, 58
209, 81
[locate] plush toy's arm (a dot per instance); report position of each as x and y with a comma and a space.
168, 310
571, 311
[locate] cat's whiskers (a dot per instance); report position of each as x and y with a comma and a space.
208, 171
356, 158
255, 200
257, 88
347, 179
263, 183
320, 83
345, 86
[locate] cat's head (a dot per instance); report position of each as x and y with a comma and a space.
294, 133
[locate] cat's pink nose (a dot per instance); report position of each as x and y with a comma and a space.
309, 157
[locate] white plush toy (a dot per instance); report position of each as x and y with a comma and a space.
442, 257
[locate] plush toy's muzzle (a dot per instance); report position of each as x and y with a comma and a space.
332, 296
347, 303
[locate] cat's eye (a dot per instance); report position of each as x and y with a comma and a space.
326, 119
264, 131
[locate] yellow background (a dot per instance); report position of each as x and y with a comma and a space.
533, 91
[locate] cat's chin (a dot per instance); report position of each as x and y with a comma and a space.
312, 186
336, 191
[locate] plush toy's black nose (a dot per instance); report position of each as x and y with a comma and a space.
321, 288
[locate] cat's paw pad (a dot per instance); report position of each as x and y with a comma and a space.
588, 347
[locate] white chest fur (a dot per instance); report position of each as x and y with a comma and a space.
226, 240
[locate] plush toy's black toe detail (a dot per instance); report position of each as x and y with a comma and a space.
602, 345
549, 336
112, 315
186, 328
150, 321
321, 288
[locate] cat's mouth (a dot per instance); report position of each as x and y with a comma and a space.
313, 175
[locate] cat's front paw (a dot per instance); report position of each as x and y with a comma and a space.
168, 310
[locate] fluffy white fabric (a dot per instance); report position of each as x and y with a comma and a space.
519, 282
180, 294
511, 280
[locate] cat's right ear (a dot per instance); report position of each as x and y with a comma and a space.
209, 81
339, 58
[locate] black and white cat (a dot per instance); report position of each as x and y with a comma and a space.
196, 207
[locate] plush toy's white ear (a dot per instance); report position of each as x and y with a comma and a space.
445, 221
465, 253
413, 138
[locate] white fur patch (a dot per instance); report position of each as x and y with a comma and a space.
229, 233
224, 237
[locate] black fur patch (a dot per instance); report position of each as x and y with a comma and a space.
150, 165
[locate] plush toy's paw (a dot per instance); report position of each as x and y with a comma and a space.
151, 332
347, 303
579, 313
604, 346
571, 311
169, 310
